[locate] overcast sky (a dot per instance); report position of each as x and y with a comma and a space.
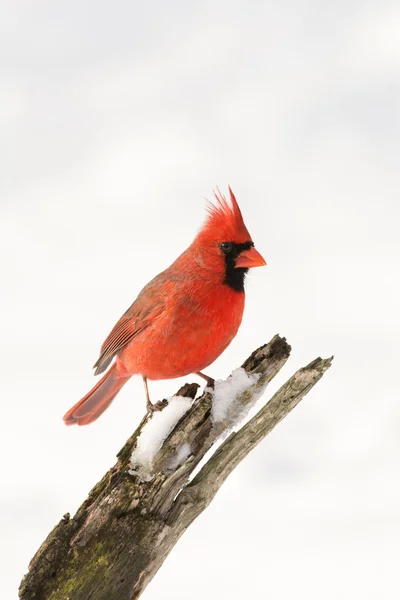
116, 121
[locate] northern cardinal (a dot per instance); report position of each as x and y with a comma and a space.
184, 318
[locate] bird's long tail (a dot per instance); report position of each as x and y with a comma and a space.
97, 400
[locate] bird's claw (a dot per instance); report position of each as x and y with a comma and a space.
210, 381
157, 406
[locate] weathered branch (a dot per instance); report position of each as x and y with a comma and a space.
133, 517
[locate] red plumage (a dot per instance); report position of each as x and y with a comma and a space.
184, 318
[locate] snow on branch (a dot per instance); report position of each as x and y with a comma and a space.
153, 434
225, 407
133, 517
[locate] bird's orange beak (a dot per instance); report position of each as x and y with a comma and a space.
250, 258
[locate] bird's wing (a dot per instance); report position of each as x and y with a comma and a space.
146, 308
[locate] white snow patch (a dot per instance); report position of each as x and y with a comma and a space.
180, 457
153, 434
225, 393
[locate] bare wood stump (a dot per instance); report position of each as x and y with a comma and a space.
123, 531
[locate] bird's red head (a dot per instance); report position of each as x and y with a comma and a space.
226, 240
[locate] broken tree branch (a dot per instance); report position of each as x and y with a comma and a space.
134, 516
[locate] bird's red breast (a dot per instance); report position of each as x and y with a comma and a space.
199, 318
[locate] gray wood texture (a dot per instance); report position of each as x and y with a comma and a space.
124, 530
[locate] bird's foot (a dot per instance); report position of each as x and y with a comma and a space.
157, 406
210, 381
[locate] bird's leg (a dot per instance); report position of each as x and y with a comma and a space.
149, 405
210, 380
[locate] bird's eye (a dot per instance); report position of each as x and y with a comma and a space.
226, 247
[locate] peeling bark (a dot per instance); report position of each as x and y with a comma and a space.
123, 531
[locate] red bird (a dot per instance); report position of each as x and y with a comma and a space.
184, 318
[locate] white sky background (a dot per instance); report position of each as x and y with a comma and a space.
116, 120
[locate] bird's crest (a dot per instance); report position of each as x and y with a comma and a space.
224, 219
